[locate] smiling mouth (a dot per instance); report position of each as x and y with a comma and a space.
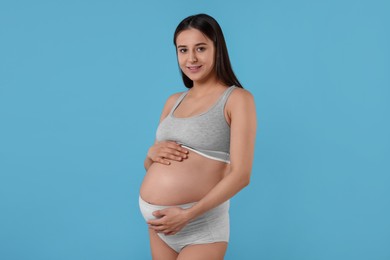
194, 68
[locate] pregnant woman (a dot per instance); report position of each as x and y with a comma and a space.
203, 151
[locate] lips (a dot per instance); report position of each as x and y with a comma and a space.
194, 68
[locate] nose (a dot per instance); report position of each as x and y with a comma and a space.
192, 56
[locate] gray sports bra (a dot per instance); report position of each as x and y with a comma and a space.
207, 134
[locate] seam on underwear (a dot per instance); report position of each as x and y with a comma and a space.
208, 227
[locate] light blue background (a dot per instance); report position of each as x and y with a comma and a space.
82, 85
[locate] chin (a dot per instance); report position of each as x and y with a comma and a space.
196, 77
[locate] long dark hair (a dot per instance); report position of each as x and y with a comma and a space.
210, 27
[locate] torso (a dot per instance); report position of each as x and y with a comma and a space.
182, 182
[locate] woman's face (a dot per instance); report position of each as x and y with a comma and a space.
196, 55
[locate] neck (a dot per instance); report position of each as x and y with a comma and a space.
207, 85
201, 91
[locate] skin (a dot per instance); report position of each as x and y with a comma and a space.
196, 55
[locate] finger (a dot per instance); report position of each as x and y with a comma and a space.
154, 228
162, 160
156, 222
173, 154
183, 150
162, 212
159, 214
159, 228
176, 146
168, 156
156, 213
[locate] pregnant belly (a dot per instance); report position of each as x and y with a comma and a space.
181, 182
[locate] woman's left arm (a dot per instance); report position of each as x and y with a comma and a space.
242, 113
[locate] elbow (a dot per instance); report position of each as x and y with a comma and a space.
245, 180
241, 178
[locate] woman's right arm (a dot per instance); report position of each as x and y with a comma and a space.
164, 151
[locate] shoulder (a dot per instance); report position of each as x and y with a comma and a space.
240, 105
170, 103
239, 97
172, 100
241, 111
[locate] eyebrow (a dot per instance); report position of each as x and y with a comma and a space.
201, 43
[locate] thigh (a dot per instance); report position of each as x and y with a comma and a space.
160, 250
211, 251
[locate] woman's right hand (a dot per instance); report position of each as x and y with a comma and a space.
163, 152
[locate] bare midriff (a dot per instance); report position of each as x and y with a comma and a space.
182, 182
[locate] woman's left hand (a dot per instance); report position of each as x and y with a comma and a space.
169, 221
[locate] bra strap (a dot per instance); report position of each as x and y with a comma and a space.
227, 94
178, 101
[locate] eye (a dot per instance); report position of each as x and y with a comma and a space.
182, 50
200, 49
